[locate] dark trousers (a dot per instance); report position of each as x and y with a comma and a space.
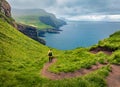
50, 58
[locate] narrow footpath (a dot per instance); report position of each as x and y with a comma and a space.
63, 75
113, 79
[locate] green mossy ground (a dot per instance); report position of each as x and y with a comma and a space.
22, 58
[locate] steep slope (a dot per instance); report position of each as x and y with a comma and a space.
18, 42
21, 60
19, 55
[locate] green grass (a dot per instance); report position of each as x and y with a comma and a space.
70, 61
32, 21
22, 58
112, 42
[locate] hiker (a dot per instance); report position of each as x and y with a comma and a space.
50, 55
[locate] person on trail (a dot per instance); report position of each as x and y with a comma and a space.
50, 54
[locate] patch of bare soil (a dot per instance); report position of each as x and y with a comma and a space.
101, 49
113, 80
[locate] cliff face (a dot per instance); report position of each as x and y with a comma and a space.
5, 8
52, 21
48, 19
5, 13
30, 32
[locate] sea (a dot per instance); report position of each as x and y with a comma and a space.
80, 34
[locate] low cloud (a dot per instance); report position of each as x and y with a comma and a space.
28, 4
95, 18
99, 9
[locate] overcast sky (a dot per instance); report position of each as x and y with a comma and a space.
74, 9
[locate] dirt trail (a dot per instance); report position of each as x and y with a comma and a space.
106, 52
113, 80
102, 49
63, 75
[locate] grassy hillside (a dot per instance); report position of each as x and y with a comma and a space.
22, 58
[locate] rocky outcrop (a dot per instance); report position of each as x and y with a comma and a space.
30, 32
5, 8
5, 12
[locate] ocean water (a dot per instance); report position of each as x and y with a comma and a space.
81, 34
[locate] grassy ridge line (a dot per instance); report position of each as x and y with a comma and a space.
112, 42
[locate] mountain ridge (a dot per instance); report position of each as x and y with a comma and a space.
37, 14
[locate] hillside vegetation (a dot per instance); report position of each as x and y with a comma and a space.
22, 58
113, 42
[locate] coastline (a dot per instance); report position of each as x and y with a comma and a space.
41, 33
79, 34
